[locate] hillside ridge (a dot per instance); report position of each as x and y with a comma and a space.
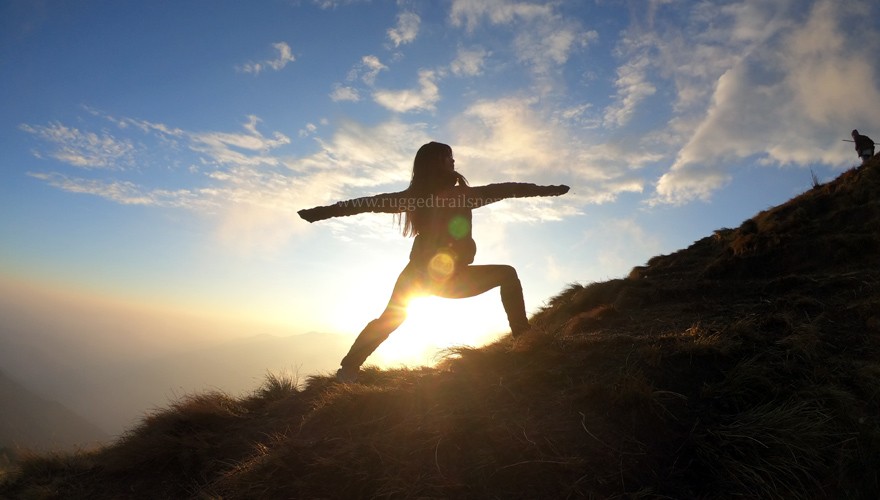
29, 420
744, 365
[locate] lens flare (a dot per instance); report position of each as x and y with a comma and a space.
459, 227
441, 266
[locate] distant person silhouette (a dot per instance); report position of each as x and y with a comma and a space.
436, 209
864, 146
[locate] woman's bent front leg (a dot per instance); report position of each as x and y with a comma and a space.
474, 280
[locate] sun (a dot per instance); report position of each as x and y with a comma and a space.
434, 324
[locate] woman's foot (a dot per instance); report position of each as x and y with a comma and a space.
347, 374
521, 331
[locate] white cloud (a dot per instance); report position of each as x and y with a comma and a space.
358, 157
692, 46
370, 67
469, 62
511, 132
143, 125
549, 44
787, 100
253, 193
129, 193
125, 193
343, 93
514, 139
238, 149
87, 150
408, 100
332, 4
472, 12
308, 130
366, 70
542, 38
633, 87
406, 30
578, 114
225, 154
285, 56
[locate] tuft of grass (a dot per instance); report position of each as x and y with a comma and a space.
771, 450
278, 386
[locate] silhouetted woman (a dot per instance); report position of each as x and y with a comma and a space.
436, 209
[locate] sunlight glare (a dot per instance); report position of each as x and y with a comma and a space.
434, 324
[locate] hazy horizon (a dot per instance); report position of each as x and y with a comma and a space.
112, 360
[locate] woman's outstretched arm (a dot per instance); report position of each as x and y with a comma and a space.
479, 196
381, 203
469, 197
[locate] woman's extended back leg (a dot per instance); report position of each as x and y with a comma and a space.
380, 328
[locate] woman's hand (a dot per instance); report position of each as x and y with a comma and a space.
315, 214
556, 190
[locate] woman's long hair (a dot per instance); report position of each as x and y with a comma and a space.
428, 179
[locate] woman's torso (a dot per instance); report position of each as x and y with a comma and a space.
445, 227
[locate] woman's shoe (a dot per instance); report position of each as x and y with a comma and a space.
347, 374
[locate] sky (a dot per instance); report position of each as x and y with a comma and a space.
155, 154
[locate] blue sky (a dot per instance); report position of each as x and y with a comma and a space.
157, 152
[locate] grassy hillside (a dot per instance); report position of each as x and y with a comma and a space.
744, 365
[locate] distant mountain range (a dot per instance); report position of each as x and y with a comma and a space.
28, 421
114, 394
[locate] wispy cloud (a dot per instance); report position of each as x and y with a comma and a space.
543, 39
469, 62
129, 193
254, 191
345, 93
124, 192
787, 99
407, 100
251, 148
82, 149
285, 56
781, 91
548, 44
406, 30
332, 4
244, 181
472, 12
633, 87
222, 154
516, 139
368, 70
